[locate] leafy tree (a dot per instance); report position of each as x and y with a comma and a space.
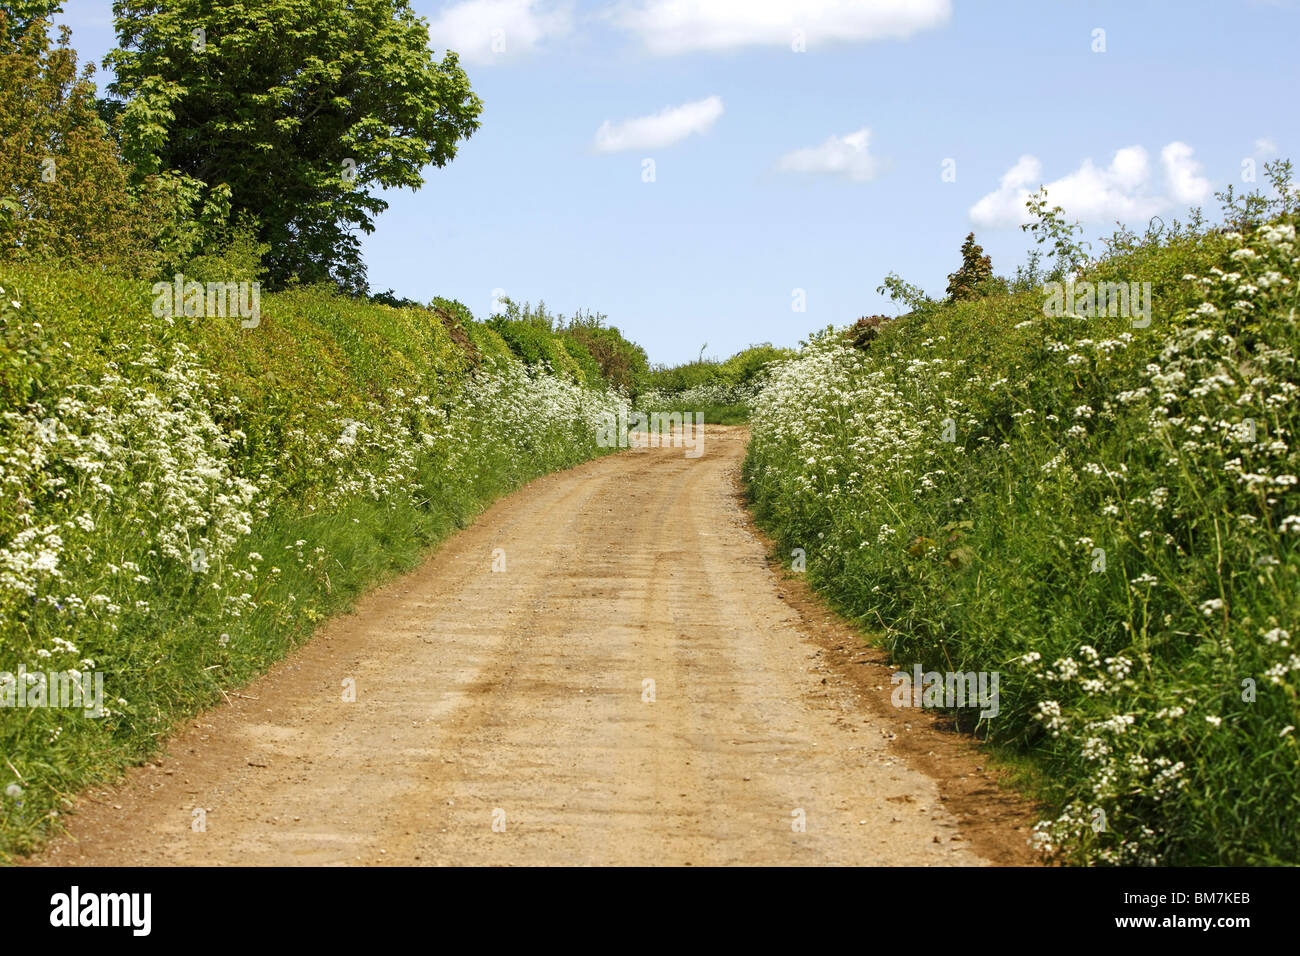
65, 191
63, 185
974, 278
1049, 227
298, 106
23, 14
900, 290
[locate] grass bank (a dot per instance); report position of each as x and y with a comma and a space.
1101, 509
185, 499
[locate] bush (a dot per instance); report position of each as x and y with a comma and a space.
622, 362
237, 258
975, 277
533, 337
864, 331
59, 168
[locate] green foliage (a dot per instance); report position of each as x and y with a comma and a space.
721, 391
186, 500
454, 307
975, 277
237, 257
67, 192
864, 331
748, 365
1104, 512
898, 290
622, 362
484, 343
65, 188
389, 297
588, 368
1254, 208
24, 358
1049, 228
530, 335
22, 15
741, 370
184, 218
584, 350
489, 343
300, 108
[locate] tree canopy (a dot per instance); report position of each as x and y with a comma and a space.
63, 190
301, 107
973, 278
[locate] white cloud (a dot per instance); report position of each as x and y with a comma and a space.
486, 31
1006, 204
682, 26
1186, 184
839, 156
1121, 191
670, 125
1265, 148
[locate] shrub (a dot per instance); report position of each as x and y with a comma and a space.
622, 362
864, 331
722, 391
59, 168
975, 277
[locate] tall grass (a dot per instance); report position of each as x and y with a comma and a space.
1106, 514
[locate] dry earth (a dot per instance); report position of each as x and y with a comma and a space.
508, 717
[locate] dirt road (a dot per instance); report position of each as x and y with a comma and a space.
632, 688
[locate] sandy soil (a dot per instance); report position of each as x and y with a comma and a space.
507, 717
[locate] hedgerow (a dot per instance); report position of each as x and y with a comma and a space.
1105, 512
186, 498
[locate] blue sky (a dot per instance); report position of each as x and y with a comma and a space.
764, 179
